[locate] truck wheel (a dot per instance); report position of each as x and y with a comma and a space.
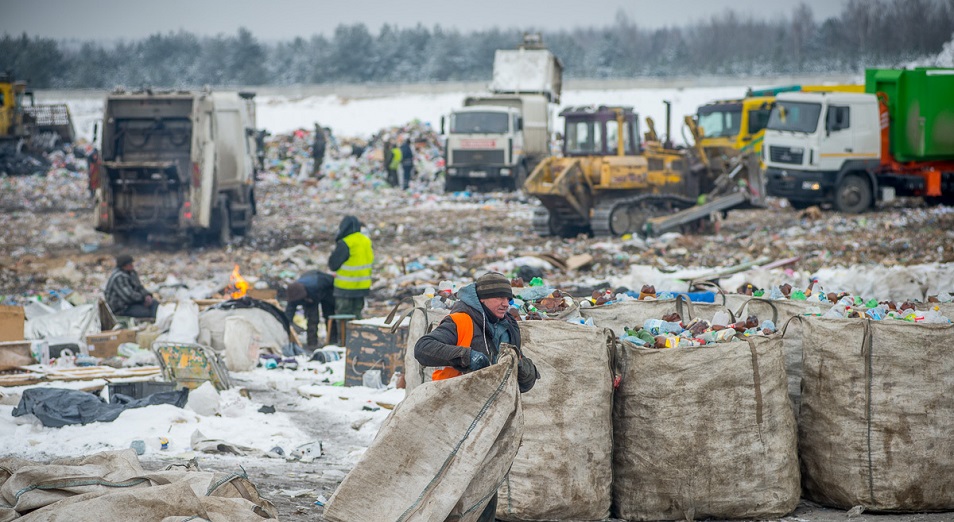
225, 224
454, 184
519, 178
853, 195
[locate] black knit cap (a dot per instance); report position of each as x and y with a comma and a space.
493, 284
123, 260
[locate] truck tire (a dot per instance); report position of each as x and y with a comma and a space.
452, 184
225, 223
799, 204
519, 178
853, 194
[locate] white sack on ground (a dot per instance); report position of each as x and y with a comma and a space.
877, 414
212, 328
73, 323
185, 323
564, 466
704, 432
241, 339
442, 452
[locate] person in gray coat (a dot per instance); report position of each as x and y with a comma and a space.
125, 294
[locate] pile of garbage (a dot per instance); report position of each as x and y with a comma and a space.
60, 182
671, 332
352, 163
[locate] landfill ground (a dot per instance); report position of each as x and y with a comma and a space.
422, 237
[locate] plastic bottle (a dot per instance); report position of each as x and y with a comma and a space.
767, 325
798, 295
877, 313
811, 285
720, 318
536, 281
720, 336
776, 293
836, 312
944, 297
660, 327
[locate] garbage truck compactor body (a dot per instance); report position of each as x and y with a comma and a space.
851, 150
177, 165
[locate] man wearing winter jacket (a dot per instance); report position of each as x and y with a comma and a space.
125, 294
351, 261
312, 289
486, 304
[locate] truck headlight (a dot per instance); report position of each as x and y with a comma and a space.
452, 171
504, 172
811, 185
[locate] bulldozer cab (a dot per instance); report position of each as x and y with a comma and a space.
11, 102
601, 131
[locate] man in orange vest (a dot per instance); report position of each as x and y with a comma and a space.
469, 339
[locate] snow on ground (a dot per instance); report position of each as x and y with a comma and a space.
365, 116
238, 422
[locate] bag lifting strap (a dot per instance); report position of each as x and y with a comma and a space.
465, 334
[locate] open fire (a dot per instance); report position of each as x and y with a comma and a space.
237, 283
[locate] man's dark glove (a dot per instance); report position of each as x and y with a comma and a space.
527, 374
478, 360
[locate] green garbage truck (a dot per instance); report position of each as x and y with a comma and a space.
851, 150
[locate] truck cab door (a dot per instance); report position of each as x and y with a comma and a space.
838, 132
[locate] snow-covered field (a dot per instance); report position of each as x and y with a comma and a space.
284, 110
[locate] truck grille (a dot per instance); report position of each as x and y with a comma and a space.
478, 157
786, 155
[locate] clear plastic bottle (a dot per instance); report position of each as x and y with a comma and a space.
839, 311
660, 327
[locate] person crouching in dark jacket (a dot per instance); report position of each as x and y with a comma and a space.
312, 289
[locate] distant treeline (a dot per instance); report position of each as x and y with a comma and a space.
866, 33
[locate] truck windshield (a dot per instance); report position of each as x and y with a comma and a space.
479, 123
794, 116
722, 120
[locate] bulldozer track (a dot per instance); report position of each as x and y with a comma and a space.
655, 204
541, 222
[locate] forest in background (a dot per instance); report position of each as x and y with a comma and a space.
867, 33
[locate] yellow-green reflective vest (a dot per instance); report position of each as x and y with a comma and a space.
355, 273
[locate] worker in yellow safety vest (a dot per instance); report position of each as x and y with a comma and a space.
351, 261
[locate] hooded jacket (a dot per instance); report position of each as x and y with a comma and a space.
343, 256
439, 348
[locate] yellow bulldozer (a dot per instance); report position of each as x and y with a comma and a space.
608, 182
40, 127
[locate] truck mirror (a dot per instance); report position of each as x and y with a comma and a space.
442, 125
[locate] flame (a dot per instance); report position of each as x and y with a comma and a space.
239, 283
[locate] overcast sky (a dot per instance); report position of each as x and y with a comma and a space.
285, 19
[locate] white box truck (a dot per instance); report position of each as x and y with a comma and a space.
497, 140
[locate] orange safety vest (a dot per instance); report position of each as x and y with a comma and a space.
465, 334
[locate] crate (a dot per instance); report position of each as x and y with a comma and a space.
139, 390
372, 346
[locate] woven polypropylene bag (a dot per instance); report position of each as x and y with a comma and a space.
704, 432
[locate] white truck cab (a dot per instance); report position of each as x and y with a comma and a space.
822, 148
